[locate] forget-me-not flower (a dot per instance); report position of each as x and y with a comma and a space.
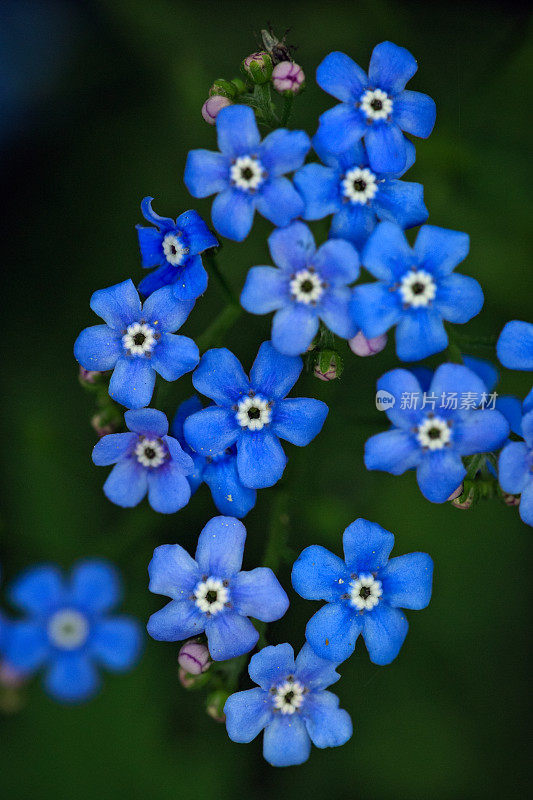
210, 592
515, 345
515, 467
247, 173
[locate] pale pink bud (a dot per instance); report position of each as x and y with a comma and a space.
10, 677
186, 680
288, 77
458, 492
194, 657
212, 106
511, 499
363, 347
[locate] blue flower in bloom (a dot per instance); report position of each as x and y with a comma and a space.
290, 705
137, 341
68, 630
252, 413
434, 429
310, 285
515, 346
374, 107
247, 174
219, 471
146, 460
356, 196
363, 594
210, 593
174, 248
515, 467
416, 289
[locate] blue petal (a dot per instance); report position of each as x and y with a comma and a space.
513, 467
375, 308
456, 378
511, 408
260, 459
401, 202
247, 713
221, 547
174, 356
415, 113
173, 572
326, 723
126, 484
237, 131
176, 621
319, 188
332, 632
116, 643
355, 223
112, 447
274, 374
233, 213
299, 419
185, 409
318, 574
528, 403
480, 431
191, 280
211, 430
403, 385
286, 742
72, 678
294, 328
150, 245
485, 369
27, 646
206, 173
459, 298
341, 77
526, 504
163, 223
366, 546
385, 145
440, 250
407, 581
118, 305
178, 456
162, 276
527, 429
258, 594
38, 590
164, 311
293, 247
199, 237
515, 345
335, 312
279, 201
221, 377
132, 381
272, 665
340, 128
284, 151
97, 348
314, 672
147, 422
391, 67
338, 262
392, 451
229, 495
94, 586
265, 290
387, 254
229, 635
439, 474
420, 334
168, 488
384, 632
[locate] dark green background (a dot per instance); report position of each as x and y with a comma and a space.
113, 122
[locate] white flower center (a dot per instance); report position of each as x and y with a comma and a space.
174, 250
365, 592
150, 452
359, 185
253, 413
434, 433
247, 173
68, 629
139, 339
307, 287
418, 288
376, 104
211, 596
289, 696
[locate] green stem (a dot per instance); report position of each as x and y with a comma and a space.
214, 333
265, 105
286, 110
210, 258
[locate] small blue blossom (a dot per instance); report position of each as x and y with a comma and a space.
219, 472
416, 289
434, 437
310, 285
356, 195
174, 247
210, 592
363, 594
146, 460
515, 467
515, 346
252, 413
247, 174
68, 630
137, 341
291, 705
374, 107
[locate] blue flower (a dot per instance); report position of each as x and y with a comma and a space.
219, 471
137, 341
290, 705
247, 174
515, 346
363, 594
174, 248
252, 413
357, 196
68, 630
433, 430
374, 107
146, 460
310, 285
416, 289
210, 592
515, 468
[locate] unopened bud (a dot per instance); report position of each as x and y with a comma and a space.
215, 705
88, 378
212, 106
458, 492
223, 88
258, 67
288, 78
105, 423
193, 682
194, 657
328, 366
511, 499
10, 677
465, 500
363, 347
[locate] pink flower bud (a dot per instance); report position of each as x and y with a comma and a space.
186, 680
212, 106
458, 492
194, 657
10, 677
88, 376
511, 499
288, 77
328, 366
215, 705
465, 504
363, 347
102, 426
258, 67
